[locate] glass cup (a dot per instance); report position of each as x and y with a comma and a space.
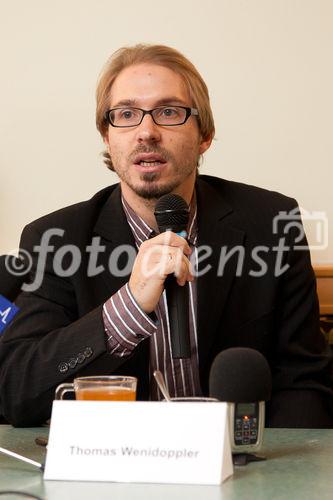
100, 388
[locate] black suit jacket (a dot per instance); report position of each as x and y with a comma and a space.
59, 333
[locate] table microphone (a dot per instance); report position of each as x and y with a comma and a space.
172, 214
241, 377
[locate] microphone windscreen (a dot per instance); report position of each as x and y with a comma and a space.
171, 212
12, 276
240, 375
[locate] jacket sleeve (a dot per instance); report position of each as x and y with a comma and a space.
302, 365
47, 344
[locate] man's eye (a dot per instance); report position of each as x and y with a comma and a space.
169, 112
127, 114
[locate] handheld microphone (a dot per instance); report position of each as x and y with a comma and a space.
241, 377
172, 214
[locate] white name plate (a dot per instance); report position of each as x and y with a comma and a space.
143, 442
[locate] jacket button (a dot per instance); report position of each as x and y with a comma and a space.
88, 352
63, 367
72, 362
80, 357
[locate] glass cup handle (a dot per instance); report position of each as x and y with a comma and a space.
63, 389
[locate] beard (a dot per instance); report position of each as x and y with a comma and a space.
150, 187
151, 190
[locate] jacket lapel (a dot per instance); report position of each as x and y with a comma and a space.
216, 231
115, 234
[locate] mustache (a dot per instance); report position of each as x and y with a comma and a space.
150, 149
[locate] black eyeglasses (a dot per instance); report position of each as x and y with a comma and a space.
168, 116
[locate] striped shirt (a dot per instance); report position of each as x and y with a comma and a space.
126, 325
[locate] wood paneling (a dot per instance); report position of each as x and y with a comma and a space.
324, 275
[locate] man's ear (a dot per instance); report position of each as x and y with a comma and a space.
205, 144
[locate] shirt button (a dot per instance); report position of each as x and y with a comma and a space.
80, 357
63, 367
72, 362
88, 352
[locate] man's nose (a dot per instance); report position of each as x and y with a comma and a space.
148, 131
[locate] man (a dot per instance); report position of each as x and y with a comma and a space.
154, 116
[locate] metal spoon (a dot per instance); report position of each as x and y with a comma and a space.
161, 384
20, 457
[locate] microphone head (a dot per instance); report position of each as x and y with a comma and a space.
240, 375
13, 271
171, 213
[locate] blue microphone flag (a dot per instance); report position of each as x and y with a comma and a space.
7, 312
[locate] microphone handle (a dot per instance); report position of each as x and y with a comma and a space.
178, 309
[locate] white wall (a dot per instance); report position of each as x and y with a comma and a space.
268, 64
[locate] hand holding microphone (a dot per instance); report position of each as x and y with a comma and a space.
163, 263
157, 258
172, 214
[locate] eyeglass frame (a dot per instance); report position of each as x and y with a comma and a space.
189, 112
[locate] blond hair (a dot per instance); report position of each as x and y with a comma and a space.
163, 56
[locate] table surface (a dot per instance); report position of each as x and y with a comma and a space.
299, 465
